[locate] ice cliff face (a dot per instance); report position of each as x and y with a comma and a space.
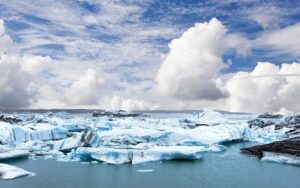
116, 139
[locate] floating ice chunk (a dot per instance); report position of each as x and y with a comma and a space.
69, 143
157, 153
10, 119
219, 133
4, 131
131, 136
145, 170
266, 134
102, 125
90, 139
50, 154
210, 117
73, 127
203, 135
18, 134
41, 131
12, 172
281, 158
160, 153
87, 139
108, 155
13, 153
48, 132
73, 123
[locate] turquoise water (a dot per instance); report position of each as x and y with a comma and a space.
228, 169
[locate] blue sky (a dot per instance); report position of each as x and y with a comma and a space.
126, 42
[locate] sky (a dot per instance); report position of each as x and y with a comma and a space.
232, 55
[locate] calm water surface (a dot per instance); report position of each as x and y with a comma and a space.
227, 169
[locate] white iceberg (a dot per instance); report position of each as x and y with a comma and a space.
69, 143
160, 153
108, 155
135, 156
145, 170
13, 153
4, 131
40, 131
281, 158
210, 117
103, 125
12, 172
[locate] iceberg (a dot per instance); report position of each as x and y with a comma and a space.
145, 170
77, 139
210, 117
4, 131
41, 131
102, 125
107, 155
11, 172
281, 158
159, 153
285, 151
69, 143
13, 153
136, 156
10, 119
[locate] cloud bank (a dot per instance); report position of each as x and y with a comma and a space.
191, 71
268, 88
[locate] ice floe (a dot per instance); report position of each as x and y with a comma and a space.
135, 156
12, 172
281, 158
145, 170
13, 153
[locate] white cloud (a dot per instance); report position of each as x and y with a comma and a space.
268, 16
268, 88
119, 103
282, 41
18, 88
191, 69
6, 43
35, 64
242, 45
87, 90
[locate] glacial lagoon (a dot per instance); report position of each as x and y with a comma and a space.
225, 170
218, 135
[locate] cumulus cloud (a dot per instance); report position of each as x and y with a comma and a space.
86, 90
190, 70
35, 64
16, 86
18, 89
119, 103
268, 88
285, 40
